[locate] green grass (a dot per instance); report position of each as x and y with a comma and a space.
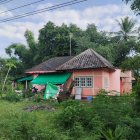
33, 124
70, 120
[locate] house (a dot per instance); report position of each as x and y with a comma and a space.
90, 71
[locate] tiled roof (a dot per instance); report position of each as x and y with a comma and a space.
87, 59
49, 65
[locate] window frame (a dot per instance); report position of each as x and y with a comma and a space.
86, 81
106, 82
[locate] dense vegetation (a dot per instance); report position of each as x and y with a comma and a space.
106, 118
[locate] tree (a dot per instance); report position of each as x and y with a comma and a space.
55, 40
132, 63
135, 5
26, 54
9, 65
126, 31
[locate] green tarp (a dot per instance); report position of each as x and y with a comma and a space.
50, 91
54, 78
29, 78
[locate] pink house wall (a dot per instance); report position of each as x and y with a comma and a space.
127, 82
102, 79
99, 75
115, 80
97, 81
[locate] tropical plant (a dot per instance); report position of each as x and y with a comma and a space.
9, 65
127, 30
28, 55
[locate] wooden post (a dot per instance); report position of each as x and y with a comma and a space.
26, 86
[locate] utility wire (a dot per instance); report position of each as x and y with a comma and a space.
43, 10
21, 6
5, 1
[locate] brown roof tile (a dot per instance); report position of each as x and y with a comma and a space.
87, 59
49, 65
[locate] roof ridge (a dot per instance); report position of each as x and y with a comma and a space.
71, 59
94, 57
98, 55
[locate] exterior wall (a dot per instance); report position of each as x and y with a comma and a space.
102, 79
126, 84
106, 80
97, 81
115, 80
39, 87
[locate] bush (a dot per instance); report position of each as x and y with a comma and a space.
27, 94
12, 97
26, 126
70, 103
104, 117
78, 119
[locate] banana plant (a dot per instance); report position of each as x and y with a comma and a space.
10, 65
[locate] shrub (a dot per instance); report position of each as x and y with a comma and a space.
13, 97
70, 103
27, 94
77, 118
26, 126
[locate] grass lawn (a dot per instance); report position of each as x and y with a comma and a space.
16, 123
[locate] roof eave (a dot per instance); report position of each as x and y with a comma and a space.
112, 69
36, 72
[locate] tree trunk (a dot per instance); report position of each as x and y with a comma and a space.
5, 79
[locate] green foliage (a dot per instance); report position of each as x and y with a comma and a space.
25, 127
12, 97
132, 63
55, 41
109, 118
27, 55
137, 97
71, 115
77, 118
117, 134
67, 103
126, 31
135, 5
27, 94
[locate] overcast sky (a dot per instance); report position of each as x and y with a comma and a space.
103, 13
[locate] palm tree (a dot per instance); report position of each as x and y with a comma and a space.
9, 65
127, 30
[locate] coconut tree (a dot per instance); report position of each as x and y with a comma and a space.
127, 30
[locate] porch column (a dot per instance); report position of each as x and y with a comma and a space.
26, 86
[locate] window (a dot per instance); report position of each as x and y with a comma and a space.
77, 81
84, 81
89, 81
106, 82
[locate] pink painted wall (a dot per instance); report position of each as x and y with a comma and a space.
127, 82
97, 81
106, 80
100, 76
102, 79
115, 80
